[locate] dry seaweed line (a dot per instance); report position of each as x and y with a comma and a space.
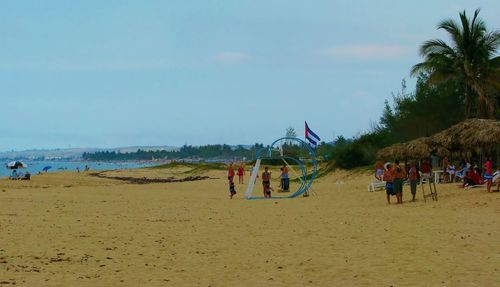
145, 180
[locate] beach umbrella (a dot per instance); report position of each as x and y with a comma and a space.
16, 164
46, 168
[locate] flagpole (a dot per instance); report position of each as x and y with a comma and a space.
306, 194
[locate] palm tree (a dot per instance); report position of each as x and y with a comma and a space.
471, 59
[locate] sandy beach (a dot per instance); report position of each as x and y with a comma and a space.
74, 229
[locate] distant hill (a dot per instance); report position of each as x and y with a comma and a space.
74, 153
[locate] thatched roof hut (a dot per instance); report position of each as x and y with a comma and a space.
392, 152
470, 134
463, 137
423, 147
417, 148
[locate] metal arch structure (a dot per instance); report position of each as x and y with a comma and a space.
266, 153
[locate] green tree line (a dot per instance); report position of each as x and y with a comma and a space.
456, 81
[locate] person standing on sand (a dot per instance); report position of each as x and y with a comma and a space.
446, 162
399, 176
241, 172
488, 173
230, 172
285, 180
388, 177
413, 177
266, 182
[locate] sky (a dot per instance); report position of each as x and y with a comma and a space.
125, 73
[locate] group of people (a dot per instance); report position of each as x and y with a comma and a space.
395, 175
265, 176
20, 175
470, 175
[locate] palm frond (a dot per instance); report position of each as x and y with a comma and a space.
435, 46
453, 28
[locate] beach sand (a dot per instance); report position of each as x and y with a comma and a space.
73, 229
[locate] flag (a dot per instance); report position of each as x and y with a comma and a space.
312, 137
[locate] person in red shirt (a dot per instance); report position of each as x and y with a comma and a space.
230, 172
425, 168
488, 174
241, 172
472, 178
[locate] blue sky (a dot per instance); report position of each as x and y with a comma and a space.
119, 73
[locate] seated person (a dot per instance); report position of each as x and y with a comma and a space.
379, 170
464, 168
450, 169
27, 176
14, 175
473, 177
425, 169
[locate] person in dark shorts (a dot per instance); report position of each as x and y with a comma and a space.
285, 180
413, 177
388, 177
399, 173
266, 182
232, 190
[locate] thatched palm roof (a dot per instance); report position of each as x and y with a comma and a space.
465, 136
418, 148
424, 147
469, 134
392, 152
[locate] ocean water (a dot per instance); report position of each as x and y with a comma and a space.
37, 166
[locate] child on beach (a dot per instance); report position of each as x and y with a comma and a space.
232, 191
266, 182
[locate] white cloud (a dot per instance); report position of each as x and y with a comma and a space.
369, 51
231, 57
